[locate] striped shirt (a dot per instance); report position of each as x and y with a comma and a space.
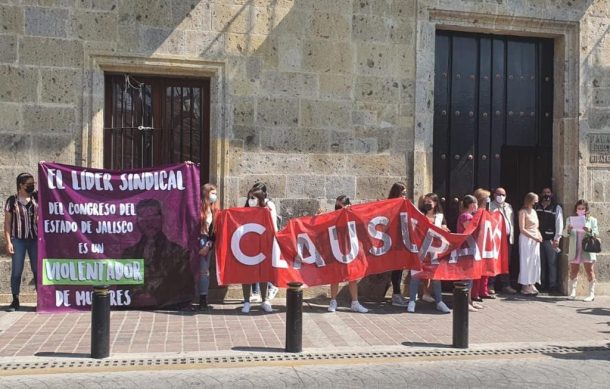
23, 224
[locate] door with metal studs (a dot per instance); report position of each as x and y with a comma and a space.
493, 118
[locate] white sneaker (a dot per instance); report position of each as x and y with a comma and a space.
246, 308
255, 298
471, 308
266, 306
272, 291
477, 305
357, 307
427, 298
399, 301
332, 306
442, 307
411, 307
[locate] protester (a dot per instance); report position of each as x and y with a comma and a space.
431, 208
272, 290
468, 207
529, 246
21, 233
550, 217
209, 209
256, 198
343, 202
399, 189
575, 251
479, 286
499, 204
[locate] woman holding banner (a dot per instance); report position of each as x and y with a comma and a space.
256, 198
431, 208
20, 232
343, 202
480, 289
529, 246
209, 209
397, 190
468, 207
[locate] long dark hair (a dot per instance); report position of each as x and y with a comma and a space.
343, 200
396, 190
437, 204
259, 195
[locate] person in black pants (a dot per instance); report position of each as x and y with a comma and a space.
550, 216
399, 189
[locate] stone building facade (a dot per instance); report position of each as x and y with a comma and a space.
315, 97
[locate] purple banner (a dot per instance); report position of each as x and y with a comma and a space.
86, 215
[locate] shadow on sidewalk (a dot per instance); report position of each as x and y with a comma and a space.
259, 349
583, 353
594, 311
50, 354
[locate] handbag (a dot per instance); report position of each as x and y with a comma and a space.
591, 244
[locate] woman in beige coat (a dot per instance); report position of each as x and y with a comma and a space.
576, 254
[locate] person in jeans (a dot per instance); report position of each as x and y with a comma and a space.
398, 189
550, 217
343, 202
499, 204
21, 233
209, 209
431, 208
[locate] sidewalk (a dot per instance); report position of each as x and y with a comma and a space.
507, 320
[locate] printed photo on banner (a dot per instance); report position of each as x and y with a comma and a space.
117, 228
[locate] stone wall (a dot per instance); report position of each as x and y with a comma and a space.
315, 97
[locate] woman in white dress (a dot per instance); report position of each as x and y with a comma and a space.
529, 246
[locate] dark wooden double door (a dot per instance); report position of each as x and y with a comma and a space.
493, 116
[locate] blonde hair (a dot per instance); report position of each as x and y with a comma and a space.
529, 199
481, 194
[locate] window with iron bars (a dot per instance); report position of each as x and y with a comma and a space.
151, 121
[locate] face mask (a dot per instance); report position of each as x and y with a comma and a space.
253, 202
213, 198
500, 199
427, 207
546, 198
30, 188
581, 212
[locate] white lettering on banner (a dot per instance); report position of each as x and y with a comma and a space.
162, 180
235, 244
90, 180
59, 226
353, 243
54, 179
471, 250
433, 251
304, 241
380, 235
406, 236
276, 256
495, 235
118, 297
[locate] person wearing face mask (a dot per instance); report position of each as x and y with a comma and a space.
21, 233
550, 216
256, 198
480, 289
529, 246
468, 207
499, 204
431, 208
397, 190
209, 209
343, 202
575, 252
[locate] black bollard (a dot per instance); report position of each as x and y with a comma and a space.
294, 318
100, 323
460, 314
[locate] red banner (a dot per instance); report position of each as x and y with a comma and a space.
354, 242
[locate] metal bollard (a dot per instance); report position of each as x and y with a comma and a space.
294, 318
460, 314
100, 322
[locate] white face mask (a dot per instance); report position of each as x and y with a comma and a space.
500, 199
252, 202
213, 198
581, 212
